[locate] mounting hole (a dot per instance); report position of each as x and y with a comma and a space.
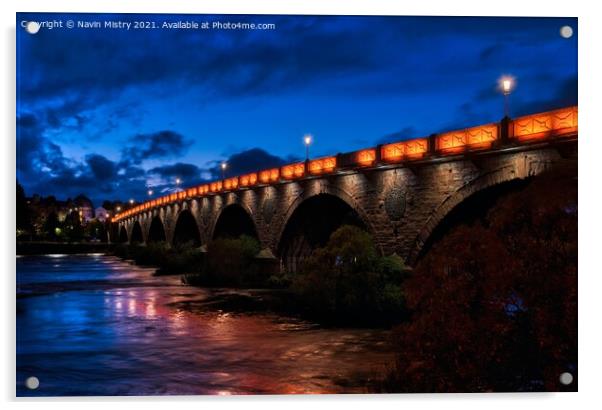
32, 27
32, 383
566, 378
566, 31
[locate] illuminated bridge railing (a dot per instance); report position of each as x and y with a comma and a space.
560, 123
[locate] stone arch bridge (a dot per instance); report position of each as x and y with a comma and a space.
399, 192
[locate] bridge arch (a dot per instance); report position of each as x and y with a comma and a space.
504, 176
309, 223
233, 221
156, 231
186, 229
137, 236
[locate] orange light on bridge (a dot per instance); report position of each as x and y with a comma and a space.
293, 170
471, 138
398, 151
366, 157
322, 165
269, 175
248, 180
203, 189
231, 183
215, 186
191, 192
548, 124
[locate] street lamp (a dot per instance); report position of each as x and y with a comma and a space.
307, 140
131, 201
224, 166
150, 192
507, 85
118, 209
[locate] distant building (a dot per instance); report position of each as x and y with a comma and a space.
84, 207
101, 214
44, 206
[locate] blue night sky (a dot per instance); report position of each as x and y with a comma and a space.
108, 112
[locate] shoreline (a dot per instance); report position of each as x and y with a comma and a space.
66, 248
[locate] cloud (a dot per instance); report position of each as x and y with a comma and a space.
254, 159
102, 168
190, 174
403, 134
160, 144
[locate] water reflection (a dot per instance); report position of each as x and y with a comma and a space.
95, 325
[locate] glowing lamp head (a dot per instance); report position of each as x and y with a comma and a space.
507, 84
307, 139
150, 192
118, 208
224, 165
131, 201
178, 181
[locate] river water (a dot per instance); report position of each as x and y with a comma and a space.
97, 325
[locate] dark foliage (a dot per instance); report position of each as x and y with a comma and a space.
230, 262
348, 282
494, 304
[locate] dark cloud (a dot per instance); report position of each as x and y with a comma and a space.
489, 52
254, 159
190, 174
102, 168
162, 144
43, 168
403, 134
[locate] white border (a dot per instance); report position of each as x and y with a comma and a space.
590, 229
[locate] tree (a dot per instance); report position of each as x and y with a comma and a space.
494, 304
73, 227
230, 260
24, 222
347, 280
96, 230
51, 228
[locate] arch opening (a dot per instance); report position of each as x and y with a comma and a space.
137, 236
186, 231
156, 231
472, 209
310, 227
123, 235
233, 222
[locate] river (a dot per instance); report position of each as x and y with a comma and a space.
98, 325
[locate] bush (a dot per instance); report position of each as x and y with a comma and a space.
230, 262
169, 260
494, 303
348, 281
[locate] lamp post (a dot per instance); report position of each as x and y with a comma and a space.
224, 166
307, 141
178, 182
507, 84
